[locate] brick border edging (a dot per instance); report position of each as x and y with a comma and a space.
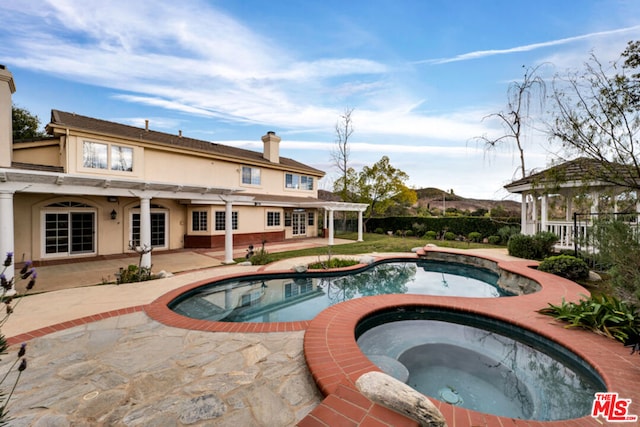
336, 361
37, 333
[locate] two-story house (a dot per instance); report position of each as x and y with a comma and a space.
95, 187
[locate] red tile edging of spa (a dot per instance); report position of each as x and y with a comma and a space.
336, 362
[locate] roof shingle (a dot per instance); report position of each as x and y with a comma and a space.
74, 121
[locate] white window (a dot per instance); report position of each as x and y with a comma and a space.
121, 158
273, 219
250, 176
199, 220
220, 220
97, 155
159, 227
94, 155
301, 182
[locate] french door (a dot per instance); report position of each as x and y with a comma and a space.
158, 229
69, 233
299, 223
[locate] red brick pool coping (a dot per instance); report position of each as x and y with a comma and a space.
336, 362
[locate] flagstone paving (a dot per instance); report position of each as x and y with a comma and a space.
132, 371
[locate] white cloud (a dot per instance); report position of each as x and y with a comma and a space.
526, 48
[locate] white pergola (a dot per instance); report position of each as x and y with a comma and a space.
15, 181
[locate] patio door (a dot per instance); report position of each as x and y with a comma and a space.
69, 233
299, 223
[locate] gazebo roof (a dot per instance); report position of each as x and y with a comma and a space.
578, 172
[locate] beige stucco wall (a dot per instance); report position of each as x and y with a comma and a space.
39, 155
183, 168
112, 236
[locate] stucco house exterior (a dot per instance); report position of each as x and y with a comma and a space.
95, 187
567, 197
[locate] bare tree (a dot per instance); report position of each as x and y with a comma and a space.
340, 154
597, 118
516, 116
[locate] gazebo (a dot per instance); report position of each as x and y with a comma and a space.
565, 199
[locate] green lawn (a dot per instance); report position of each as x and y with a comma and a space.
374, 243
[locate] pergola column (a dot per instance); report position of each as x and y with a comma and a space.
6, 231
330, 227
325, 223
145, 231
360, 226
228, 232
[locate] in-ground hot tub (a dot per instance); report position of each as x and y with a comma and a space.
479, 363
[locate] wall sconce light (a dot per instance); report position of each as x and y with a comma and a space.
114, 214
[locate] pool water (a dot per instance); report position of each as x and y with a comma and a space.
295, 296
505, 371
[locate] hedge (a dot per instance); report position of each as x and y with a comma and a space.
459, 225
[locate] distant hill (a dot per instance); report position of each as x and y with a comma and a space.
434, 198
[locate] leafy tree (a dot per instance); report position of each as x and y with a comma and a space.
516, 117
597, 118
25, 124
380, 186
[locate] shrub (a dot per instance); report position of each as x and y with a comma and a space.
566, 266
379, 230
450, 235
409, 233
474, 236
133, 273
506, 232
418, 228
602, 314
544, 242
431, 235
494, 240
521, 246
538, 246
260, 257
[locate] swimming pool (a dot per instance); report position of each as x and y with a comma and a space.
286, 297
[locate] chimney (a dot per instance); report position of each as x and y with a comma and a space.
146, 125
271, 147
7, 88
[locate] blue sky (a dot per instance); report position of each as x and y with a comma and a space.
420, 76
